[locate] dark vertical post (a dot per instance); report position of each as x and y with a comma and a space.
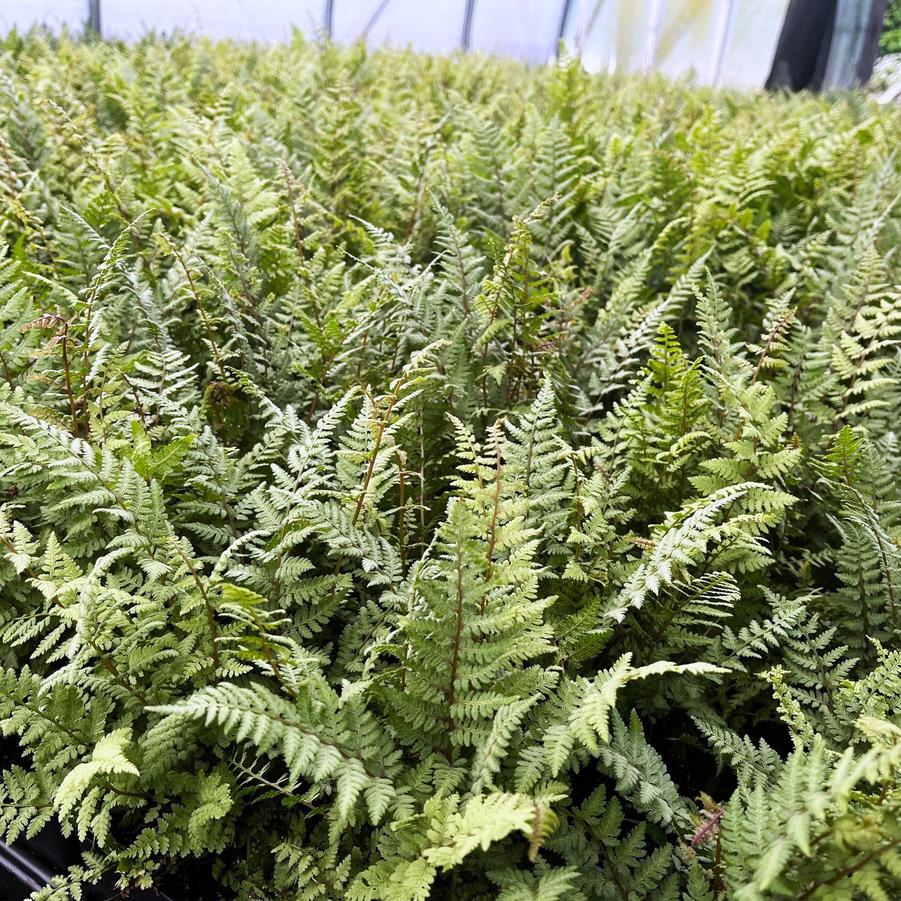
561, 28
800, 57
870, 44
853, 45
466, 38
329, 18
94, 16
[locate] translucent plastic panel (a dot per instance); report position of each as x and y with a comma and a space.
352, 18
616, 35
433, 26
637, 26
722, 42
524, 29
591, 34
55, 14
751, 41
245, 19
689, 38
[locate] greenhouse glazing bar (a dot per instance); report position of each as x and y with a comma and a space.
466, 37
94, 16
374, 18
561, 29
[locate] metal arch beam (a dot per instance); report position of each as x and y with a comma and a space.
469, 12
561, 28
94, 16
374, 18
582, 35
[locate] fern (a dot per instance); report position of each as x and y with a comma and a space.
441, 478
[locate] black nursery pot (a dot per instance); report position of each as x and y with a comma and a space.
27, 866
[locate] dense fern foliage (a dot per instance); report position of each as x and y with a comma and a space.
435, 478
